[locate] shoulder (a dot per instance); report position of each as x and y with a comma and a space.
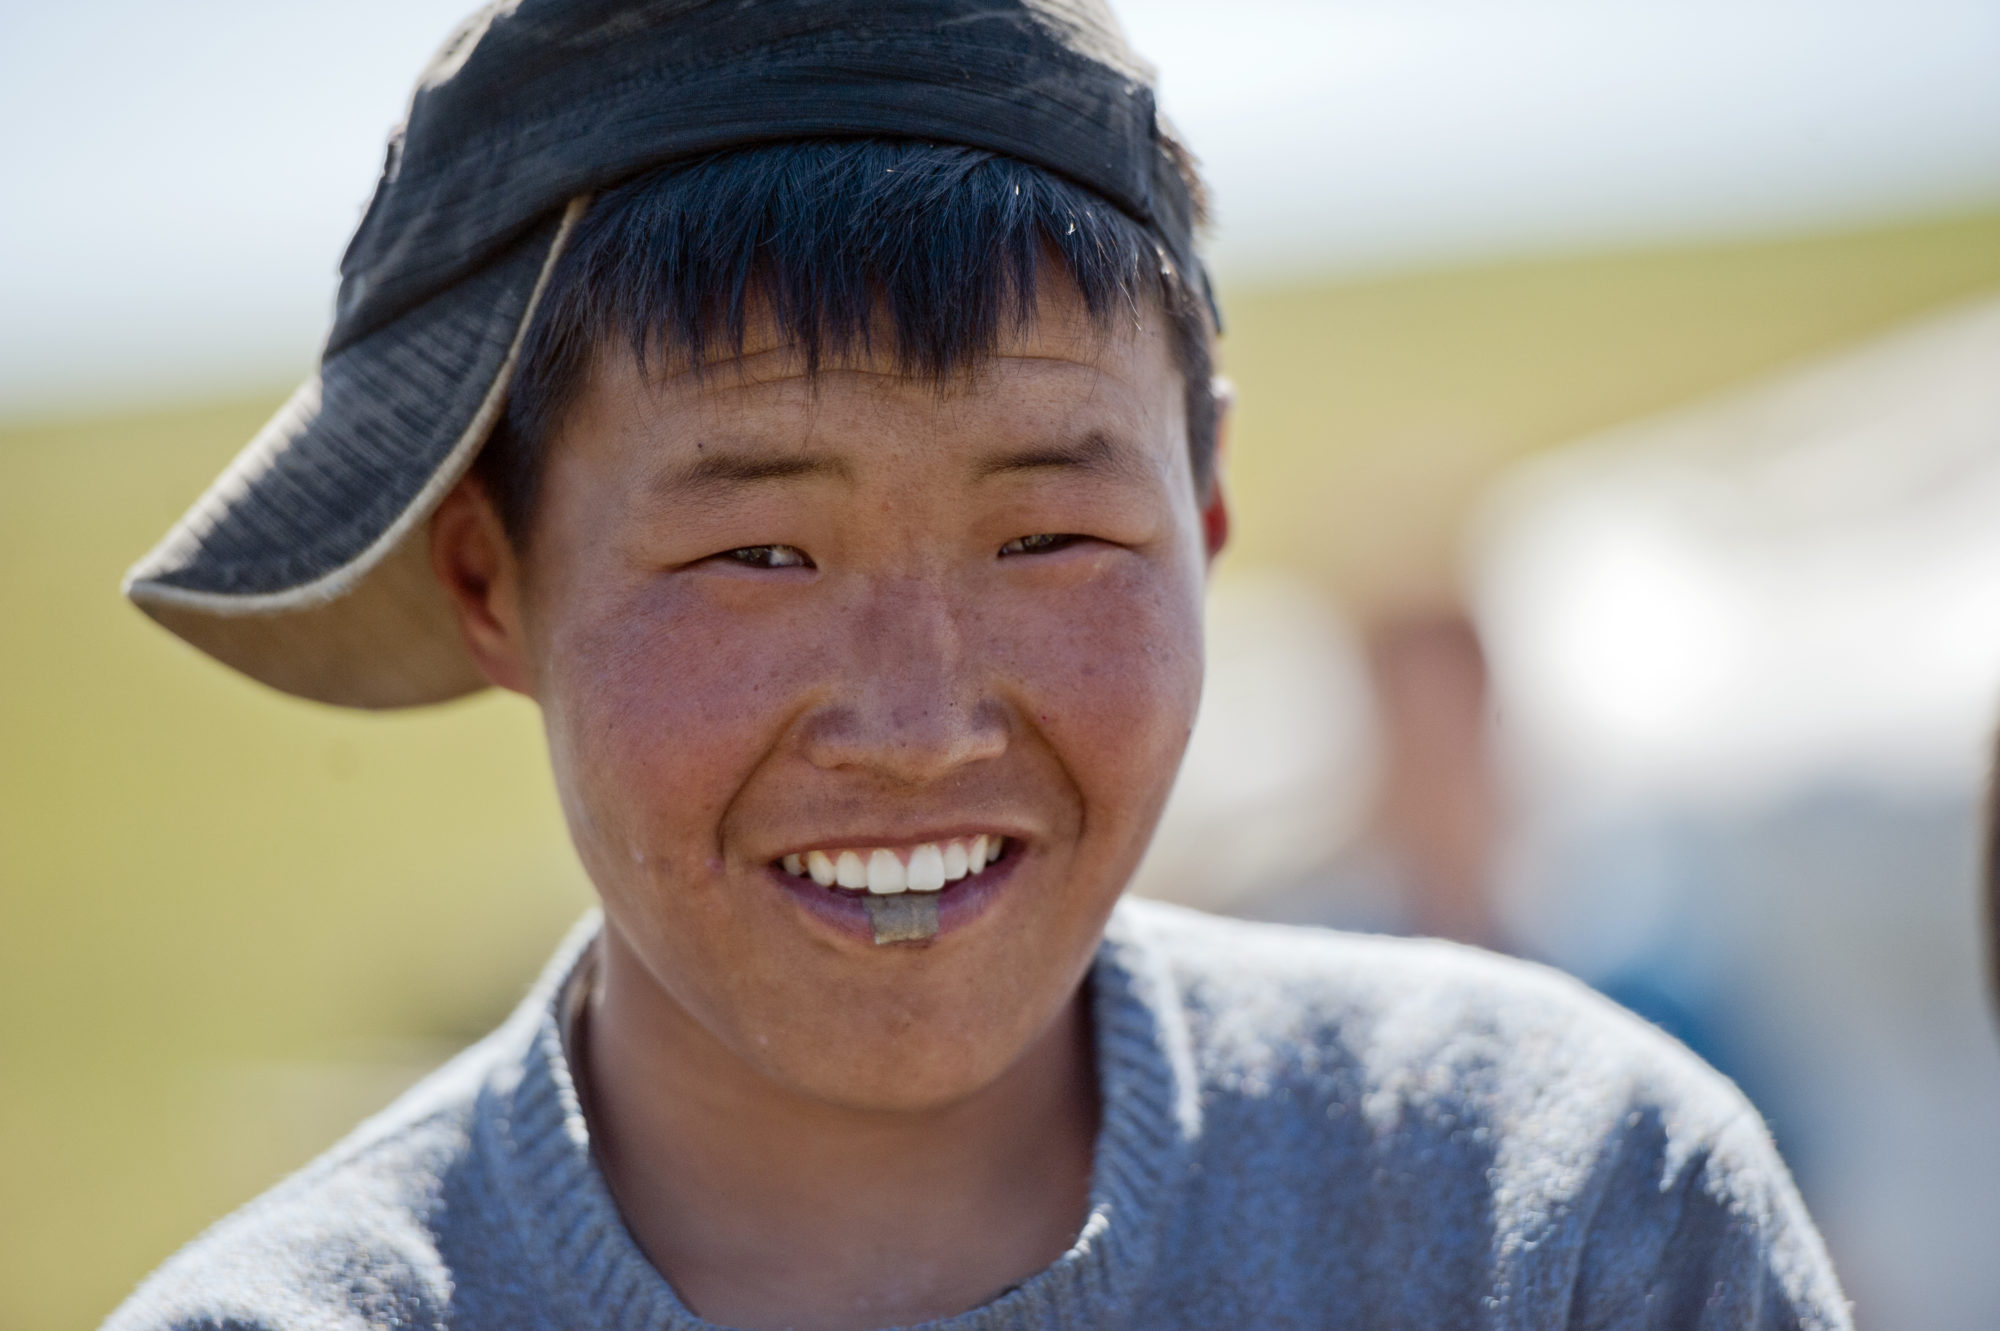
350, 1241
1417, 1019
1420, 1084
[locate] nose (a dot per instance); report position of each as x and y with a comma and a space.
907, 697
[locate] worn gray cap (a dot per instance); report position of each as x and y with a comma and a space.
304, 565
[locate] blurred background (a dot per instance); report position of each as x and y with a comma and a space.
1617, 582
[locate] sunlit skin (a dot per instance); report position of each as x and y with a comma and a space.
762, 613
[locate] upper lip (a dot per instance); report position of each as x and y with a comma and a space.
868, 840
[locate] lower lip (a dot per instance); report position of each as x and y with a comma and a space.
958, 904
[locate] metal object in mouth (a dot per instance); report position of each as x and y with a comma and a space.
906, 917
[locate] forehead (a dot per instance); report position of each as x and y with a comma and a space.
1063, 374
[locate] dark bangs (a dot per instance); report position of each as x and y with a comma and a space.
840, 242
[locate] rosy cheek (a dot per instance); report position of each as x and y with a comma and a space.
1115, 680
664, 707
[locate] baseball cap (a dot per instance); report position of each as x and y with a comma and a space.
305, 565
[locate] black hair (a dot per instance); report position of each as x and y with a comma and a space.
838, 241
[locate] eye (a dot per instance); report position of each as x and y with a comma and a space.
1039, 544
768, 556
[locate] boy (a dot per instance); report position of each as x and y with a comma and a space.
808, 404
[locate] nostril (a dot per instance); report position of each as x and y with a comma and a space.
908, 745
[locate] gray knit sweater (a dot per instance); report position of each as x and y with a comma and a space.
1301, 1129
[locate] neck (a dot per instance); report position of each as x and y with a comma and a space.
768, 1208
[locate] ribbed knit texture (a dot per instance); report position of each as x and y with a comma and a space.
1301, 1129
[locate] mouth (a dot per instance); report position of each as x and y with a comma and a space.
899, 893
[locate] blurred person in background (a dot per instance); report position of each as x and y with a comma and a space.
810, 408
1990, 864
1745, 657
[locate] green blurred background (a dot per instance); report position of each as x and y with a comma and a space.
232, 923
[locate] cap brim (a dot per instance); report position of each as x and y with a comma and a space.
305, 564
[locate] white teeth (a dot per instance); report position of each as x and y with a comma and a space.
885, 874
926, 868
848, 871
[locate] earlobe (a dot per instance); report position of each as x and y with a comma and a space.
476, 565
1215, 504
1215, 520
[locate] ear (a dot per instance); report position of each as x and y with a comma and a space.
479, 570
1215, 504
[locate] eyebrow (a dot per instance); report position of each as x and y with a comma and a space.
1095, 452
721, 471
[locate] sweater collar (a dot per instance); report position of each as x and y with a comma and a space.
535, 1140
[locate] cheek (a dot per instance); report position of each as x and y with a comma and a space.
657, 709
1113, 680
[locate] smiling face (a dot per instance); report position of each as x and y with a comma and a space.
770, 619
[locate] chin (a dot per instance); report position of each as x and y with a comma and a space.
904, 1059
899, 1079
